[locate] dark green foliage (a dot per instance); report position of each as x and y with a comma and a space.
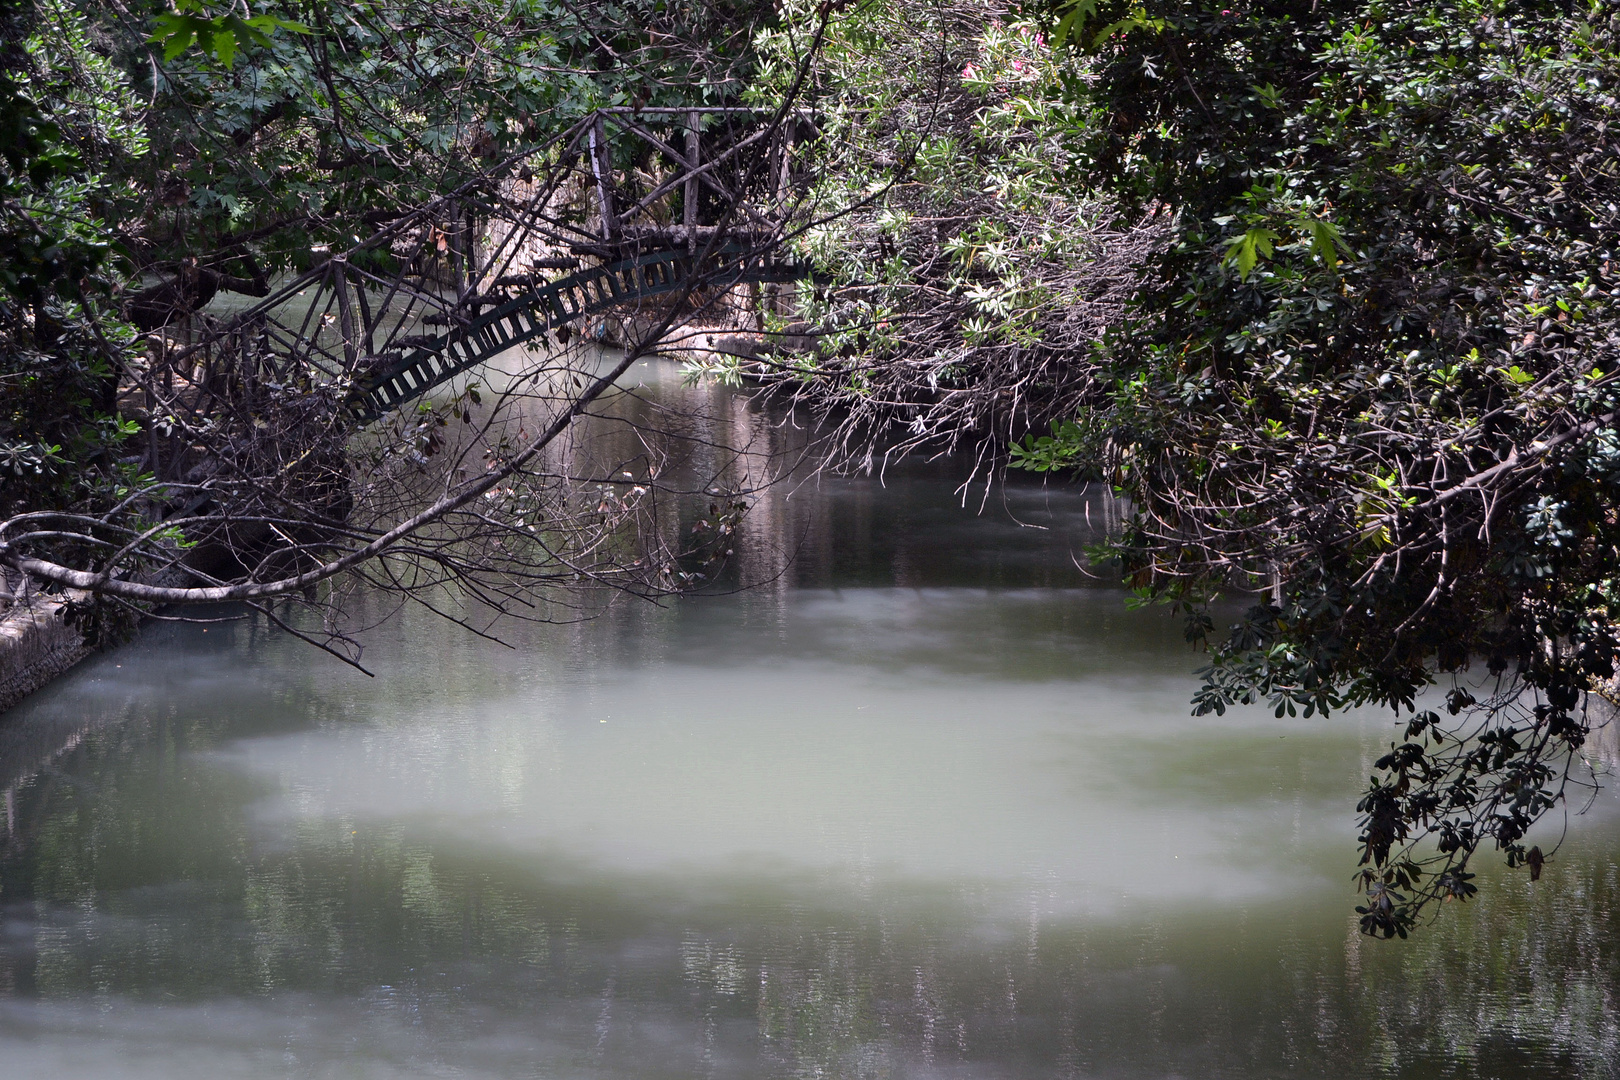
1376, 379
214, 147
59, 352
307, 124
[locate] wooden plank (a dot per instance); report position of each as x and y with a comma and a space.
340, 283
601, 165
690, 196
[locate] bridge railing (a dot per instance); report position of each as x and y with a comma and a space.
626, 207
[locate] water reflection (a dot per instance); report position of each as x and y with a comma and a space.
928, 805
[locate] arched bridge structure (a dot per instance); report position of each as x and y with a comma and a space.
643, 212
536, 309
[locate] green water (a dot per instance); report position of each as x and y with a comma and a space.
927, 804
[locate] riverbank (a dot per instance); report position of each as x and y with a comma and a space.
37, 645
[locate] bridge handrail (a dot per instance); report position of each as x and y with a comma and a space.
557, 303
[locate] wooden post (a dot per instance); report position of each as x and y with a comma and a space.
601, 163
340, 283
452, 246
782, 152
469, 223
784, 162
367, 325
155, 358
690, 198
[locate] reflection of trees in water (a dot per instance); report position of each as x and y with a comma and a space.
911, 527
1524, 984
135, 868
819, 1010
804, 530
146, 876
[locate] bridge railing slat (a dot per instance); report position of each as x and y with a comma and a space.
569, 299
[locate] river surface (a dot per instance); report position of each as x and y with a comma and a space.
926, 803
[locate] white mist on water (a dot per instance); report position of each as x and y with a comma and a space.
925, 804
835, 772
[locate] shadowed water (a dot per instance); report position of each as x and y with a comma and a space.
927, 804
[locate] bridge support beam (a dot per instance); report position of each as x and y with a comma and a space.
601, 163
689, 197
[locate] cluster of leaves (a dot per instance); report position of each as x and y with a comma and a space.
964, 276
1375, 379
192, 141
281, 127
216, 36
65, 117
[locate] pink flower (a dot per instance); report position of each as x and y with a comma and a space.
969, 73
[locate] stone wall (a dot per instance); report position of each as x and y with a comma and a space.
36, 645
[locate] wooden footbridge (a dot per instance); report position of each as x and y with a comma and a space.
626, 212
534, 308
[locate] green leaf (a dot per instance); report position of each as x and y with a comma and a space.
219, 38
1076, 12
1326, 240
1137, 20
267, 23
175, 33
1246, 250
225, 46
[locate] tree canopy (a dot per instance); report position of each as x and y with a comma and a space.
1376, 379
1366, 376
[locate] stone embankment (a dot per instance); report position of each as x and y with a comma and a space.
37, 644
